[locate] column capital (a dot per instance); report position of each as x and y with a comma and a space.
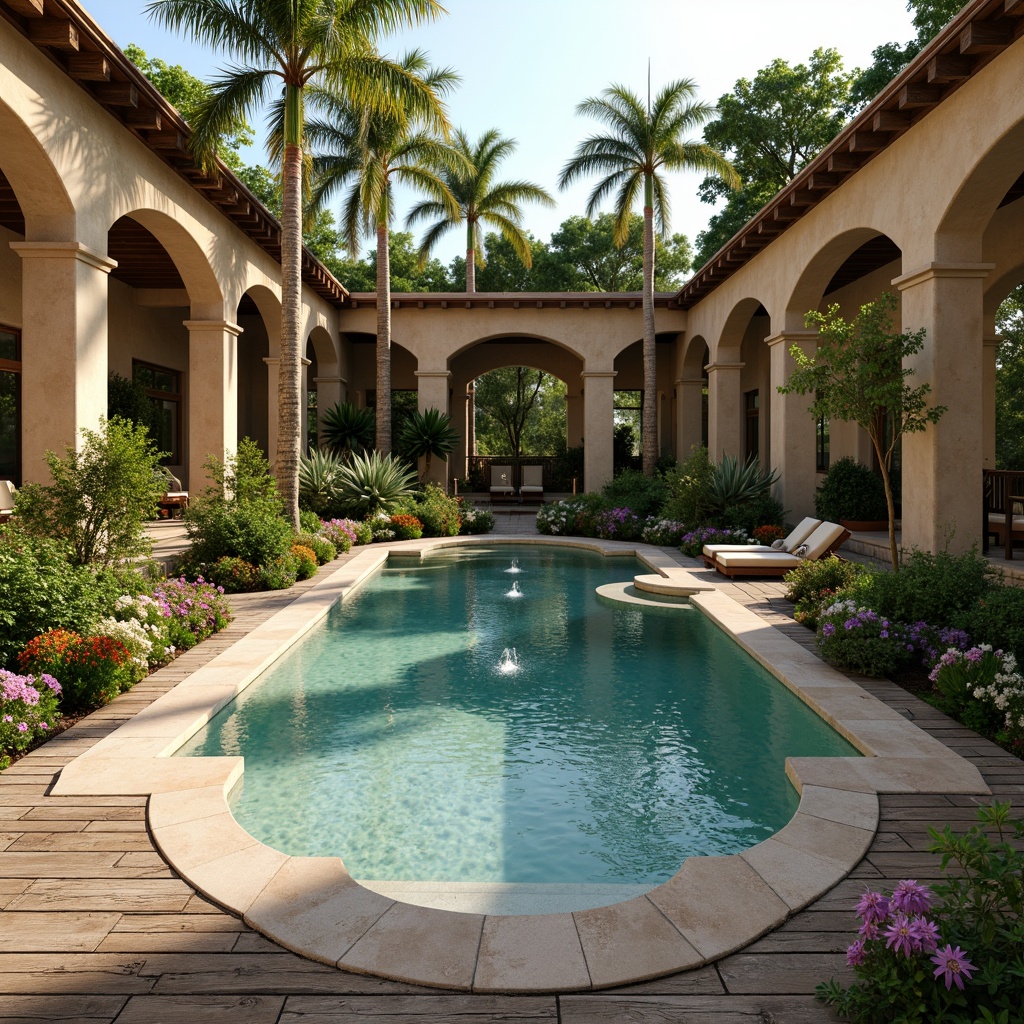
66, 251
931, 271
218, 326
711, 367
276, 361
992, 340
599, 373
330, 380
680, 381
432, 373
798, 337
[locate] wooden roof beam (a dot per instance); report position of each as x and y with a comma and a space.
89, 67
1015, 8
890, 121
145, 118
169, 141
914, 97
985, 37
822, 181
843, 162
866, 142
117, 94
27, 8
803, 199
53, 32
949, 67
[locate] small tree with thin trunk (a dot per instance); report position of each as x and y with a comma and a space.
508, 394
857, 375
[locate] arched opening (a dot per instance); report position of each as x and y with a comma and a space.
692, 397
629, 401
259, 316
322, 384
12, 229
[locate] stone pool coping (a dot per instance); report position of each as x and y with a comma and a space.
711, 907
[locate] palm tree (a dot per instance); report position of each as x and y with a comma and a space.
471, 182
370, 149
295, 46
641, 141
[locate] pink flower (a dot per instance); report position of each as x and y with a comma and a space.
912, 898
954, 964
855, 954
873, 907
900, 935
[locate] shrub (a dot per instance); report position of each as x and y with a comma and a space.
572, 517
438, 513
755, 512
279, 574
319, 475
663, 532
566, 470
143, 609
929, 588
767, 535
406, 527
983, 689
345, 429
851, 491
94, 669
735, 484
425, 434
28, 710
41, 590
811, 584
619, 524
309, 522
134, 637
631, 489
689, 489
103, 493
996, 617
233, 575
952, 956
341, 533
692, 543
373, 483
324, 550
475, 520
860, 640
305, 561
194, 610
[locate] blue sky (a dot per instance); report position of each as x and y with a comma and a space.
526, 64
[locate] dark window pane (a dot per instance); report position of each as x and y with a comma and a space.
143, 375
10, 426
9, 346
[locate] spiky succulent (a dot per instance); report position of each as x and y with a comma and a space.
373, 483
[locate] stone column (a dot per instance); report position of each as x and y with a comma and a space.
330, 391
432, 393
942, 482
990, 353
689, 416
725, 410
212, 395
64, 348
598, 425
573, 416
792, 430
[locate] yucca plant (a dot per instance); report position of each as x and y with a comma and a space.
425, 434
734, 483
373, 483
346, 430
319, 475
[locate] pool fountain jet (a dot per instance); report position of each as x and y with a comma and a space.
515, 591
509, 664
514, 567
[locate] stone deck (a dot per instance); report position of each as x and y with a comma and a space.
95, 927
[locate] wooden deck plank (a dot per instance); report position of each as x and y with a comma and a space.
605, 1009
143, 894
421, 1009
56, 933
77, 1009
202, 1010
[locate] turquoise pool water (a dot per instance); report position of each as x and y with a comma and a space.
625, 741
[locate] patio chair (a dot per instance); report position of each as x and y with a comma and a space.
7, 495
827, 538
174, 498
796, 537
501, 482
532, 488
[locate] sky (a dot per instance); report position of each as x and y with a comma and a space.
526, 64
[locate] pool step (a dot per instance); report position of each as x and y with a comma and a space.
679, 584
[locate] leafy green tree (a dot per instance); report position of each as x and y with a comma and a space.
481, 200
890, 59
504, 400
506, 272
1010, 382
103, 492
858, 375
367, 151
770, 128
642, 142
295, 46
406, 273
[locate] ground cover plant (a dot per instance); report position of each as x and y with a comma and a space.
955, 954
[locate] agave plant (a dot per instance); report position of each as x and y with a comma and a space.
373, 483
318, 480
735, 483
347, 430
427, 433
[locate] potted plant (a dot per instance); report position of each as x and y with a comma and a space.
852, 495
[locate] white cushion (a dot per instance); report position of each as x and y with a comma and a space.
752, 559
800, 533
713, 549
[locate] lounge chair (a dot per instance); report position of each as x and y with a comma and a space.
796, 537
824, 540
501, 482
532, 488
7, 495
174, 497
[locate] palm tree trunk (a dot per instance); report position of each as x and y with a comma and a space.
286, 467
650, 407
383, 339
470, 259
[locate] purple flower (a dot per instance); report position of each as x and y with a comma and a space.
954, 964
900, 935
974, 654
828, 629
855, 954
912, 898
873, 907
22, 727
927, 934
868, 930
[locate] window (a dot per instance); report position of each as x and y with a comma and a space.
821, 445
10, 404
163, 388
752, 407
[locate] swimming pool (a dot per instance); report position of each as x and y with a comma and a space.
627, 739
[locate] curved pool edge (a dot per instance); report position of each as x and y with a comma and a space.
711, 907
